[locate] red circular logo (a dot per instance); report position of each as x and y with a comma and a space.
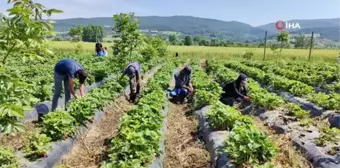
280, 25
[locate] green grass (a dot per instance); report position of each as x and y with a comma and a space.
238, 52
327, 55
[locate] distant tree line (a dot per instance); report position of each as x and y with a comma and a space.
201, 41
90, 33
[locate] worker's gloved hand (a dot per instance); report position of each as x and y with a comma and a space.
246, 98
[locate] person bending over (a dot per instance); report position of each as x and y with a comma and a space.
65, 71
133, 71
235, 91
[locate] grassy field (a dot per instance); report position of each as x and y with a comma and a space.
225, 52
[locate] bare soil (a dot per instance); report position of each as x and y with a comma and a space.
17, 140
182, 149
91, 147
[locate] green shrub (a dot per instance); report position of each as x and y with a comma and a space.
246, 144
58, 125
36, 145
7, 158
297, 111
223, 117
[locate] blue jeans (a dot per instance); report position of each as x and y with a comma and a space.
58, 80
179, 92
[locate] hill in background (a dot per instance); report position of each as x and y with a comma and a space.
211, 28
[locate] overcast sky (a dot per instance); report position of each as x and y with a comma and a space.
254, 12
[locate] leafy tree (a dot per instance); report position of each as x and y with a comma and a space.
173, 39
214, 42
57, 38
301, 41
126, 28
283, 38
93, 33
76, 33
23, 32
188, 41
198, 39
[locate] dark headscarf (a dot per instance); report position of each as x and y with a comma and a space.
99, 47
187, 69
240, 78
131, 71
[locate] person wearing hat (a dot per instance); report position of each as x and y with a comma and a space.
235, 90
133, 71
66, 70
182, 85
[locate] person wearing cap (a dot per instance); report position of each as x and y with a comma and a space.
66, 70
182, 85
133, 71
235, 90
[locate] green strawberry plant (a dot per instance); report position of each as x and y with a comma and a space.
206, 90
58, 125
297, 111
139, 131
246, 144
82, 109
7, 158
328, 135
222, 117
36, 145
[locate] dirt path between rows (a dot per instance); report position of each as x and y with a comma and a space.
288, 156
91, 148
182, 148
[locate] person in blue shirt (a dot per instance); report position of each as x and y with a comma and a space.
99, 50
65, 71
133, 71
182, 85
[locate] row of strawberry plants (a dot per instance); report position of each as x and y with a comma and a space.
327, 101
259, 96
262, 98
312, 78
244, 143
206, 91
59, 125
139, 134
321, 75
278, 82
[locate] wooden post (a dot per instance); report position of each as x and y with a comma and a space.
265, 46
311, 46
